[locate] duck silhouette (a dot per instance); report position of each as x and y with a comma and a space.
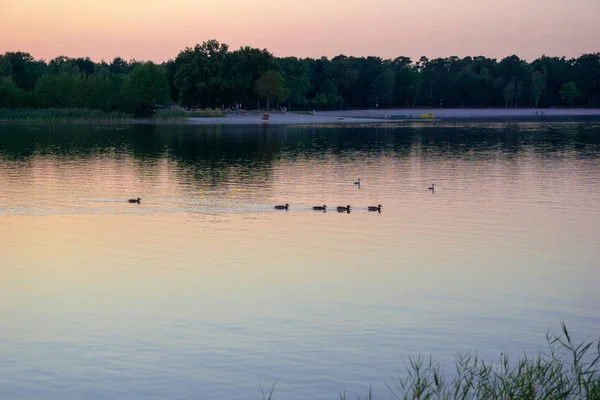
373, 208
432, 187
283, 207
135, 200
323, 207
342, 208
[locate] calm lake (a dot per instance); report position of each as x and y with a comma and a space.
204, 290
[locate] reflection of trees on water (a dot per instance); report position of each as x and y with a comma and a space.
215, 155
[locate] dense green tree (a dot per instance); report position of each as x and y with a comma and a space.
371, 81
555, 71
250, 64
407, 85
95, 92
271, 88
538, 86
295, 74
509, 92
587, 78
24, 69
102, 69
118, 66
466, 82
320, 72
5, 66
63, 65
328, 86
438, 87
145, 88
344, 73
385, 84
202, 75
320, 101
11, 96
85, 65
569, 92
170, 69
54, 91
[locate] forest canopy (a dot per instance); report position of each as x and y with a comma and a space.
210, 75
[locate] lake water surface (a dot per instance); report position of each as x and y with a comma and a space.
204, 290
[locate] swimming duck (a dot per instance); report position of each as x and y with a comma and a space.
135, 200
283, 207
342, 209
373, 208
357, 182
323, 207
432, 187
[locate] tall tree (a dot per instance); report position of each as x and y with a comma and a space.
202, 76
295, 74
408, 85
11, 96
271, 87
170, 69
344, 73
569, 91
63, 65
509, 93
24, 69
385, 85
586, 71
145, 88
249, 65
85, 65
538, 85
54, 91
95, 92
118, 66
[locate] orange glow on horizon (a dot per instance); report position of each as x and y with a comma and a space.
158, 30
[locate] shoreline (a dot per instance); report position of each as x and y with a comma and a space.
351, 117
452, 113
403, 116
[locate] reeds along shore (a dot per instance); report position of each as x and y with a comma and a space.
170, 114
565, 371
58, 114
92, 115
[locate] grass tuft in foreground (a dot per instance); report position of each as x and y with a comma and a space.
567, 371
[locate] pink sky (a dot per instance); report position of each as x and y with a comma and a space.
158, 30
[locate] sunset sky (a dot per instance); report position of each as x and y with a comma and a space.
158, 30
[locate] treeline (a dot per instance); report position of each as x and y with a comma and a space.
131, 87
209, 75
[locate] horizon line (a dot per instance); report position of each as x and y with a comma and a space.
231, 49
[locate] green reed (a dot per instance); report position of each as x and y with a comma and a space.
60, 114
171, 114
567, 371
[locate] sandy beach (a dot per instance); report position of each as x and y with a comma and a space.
289, 118
399, 115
